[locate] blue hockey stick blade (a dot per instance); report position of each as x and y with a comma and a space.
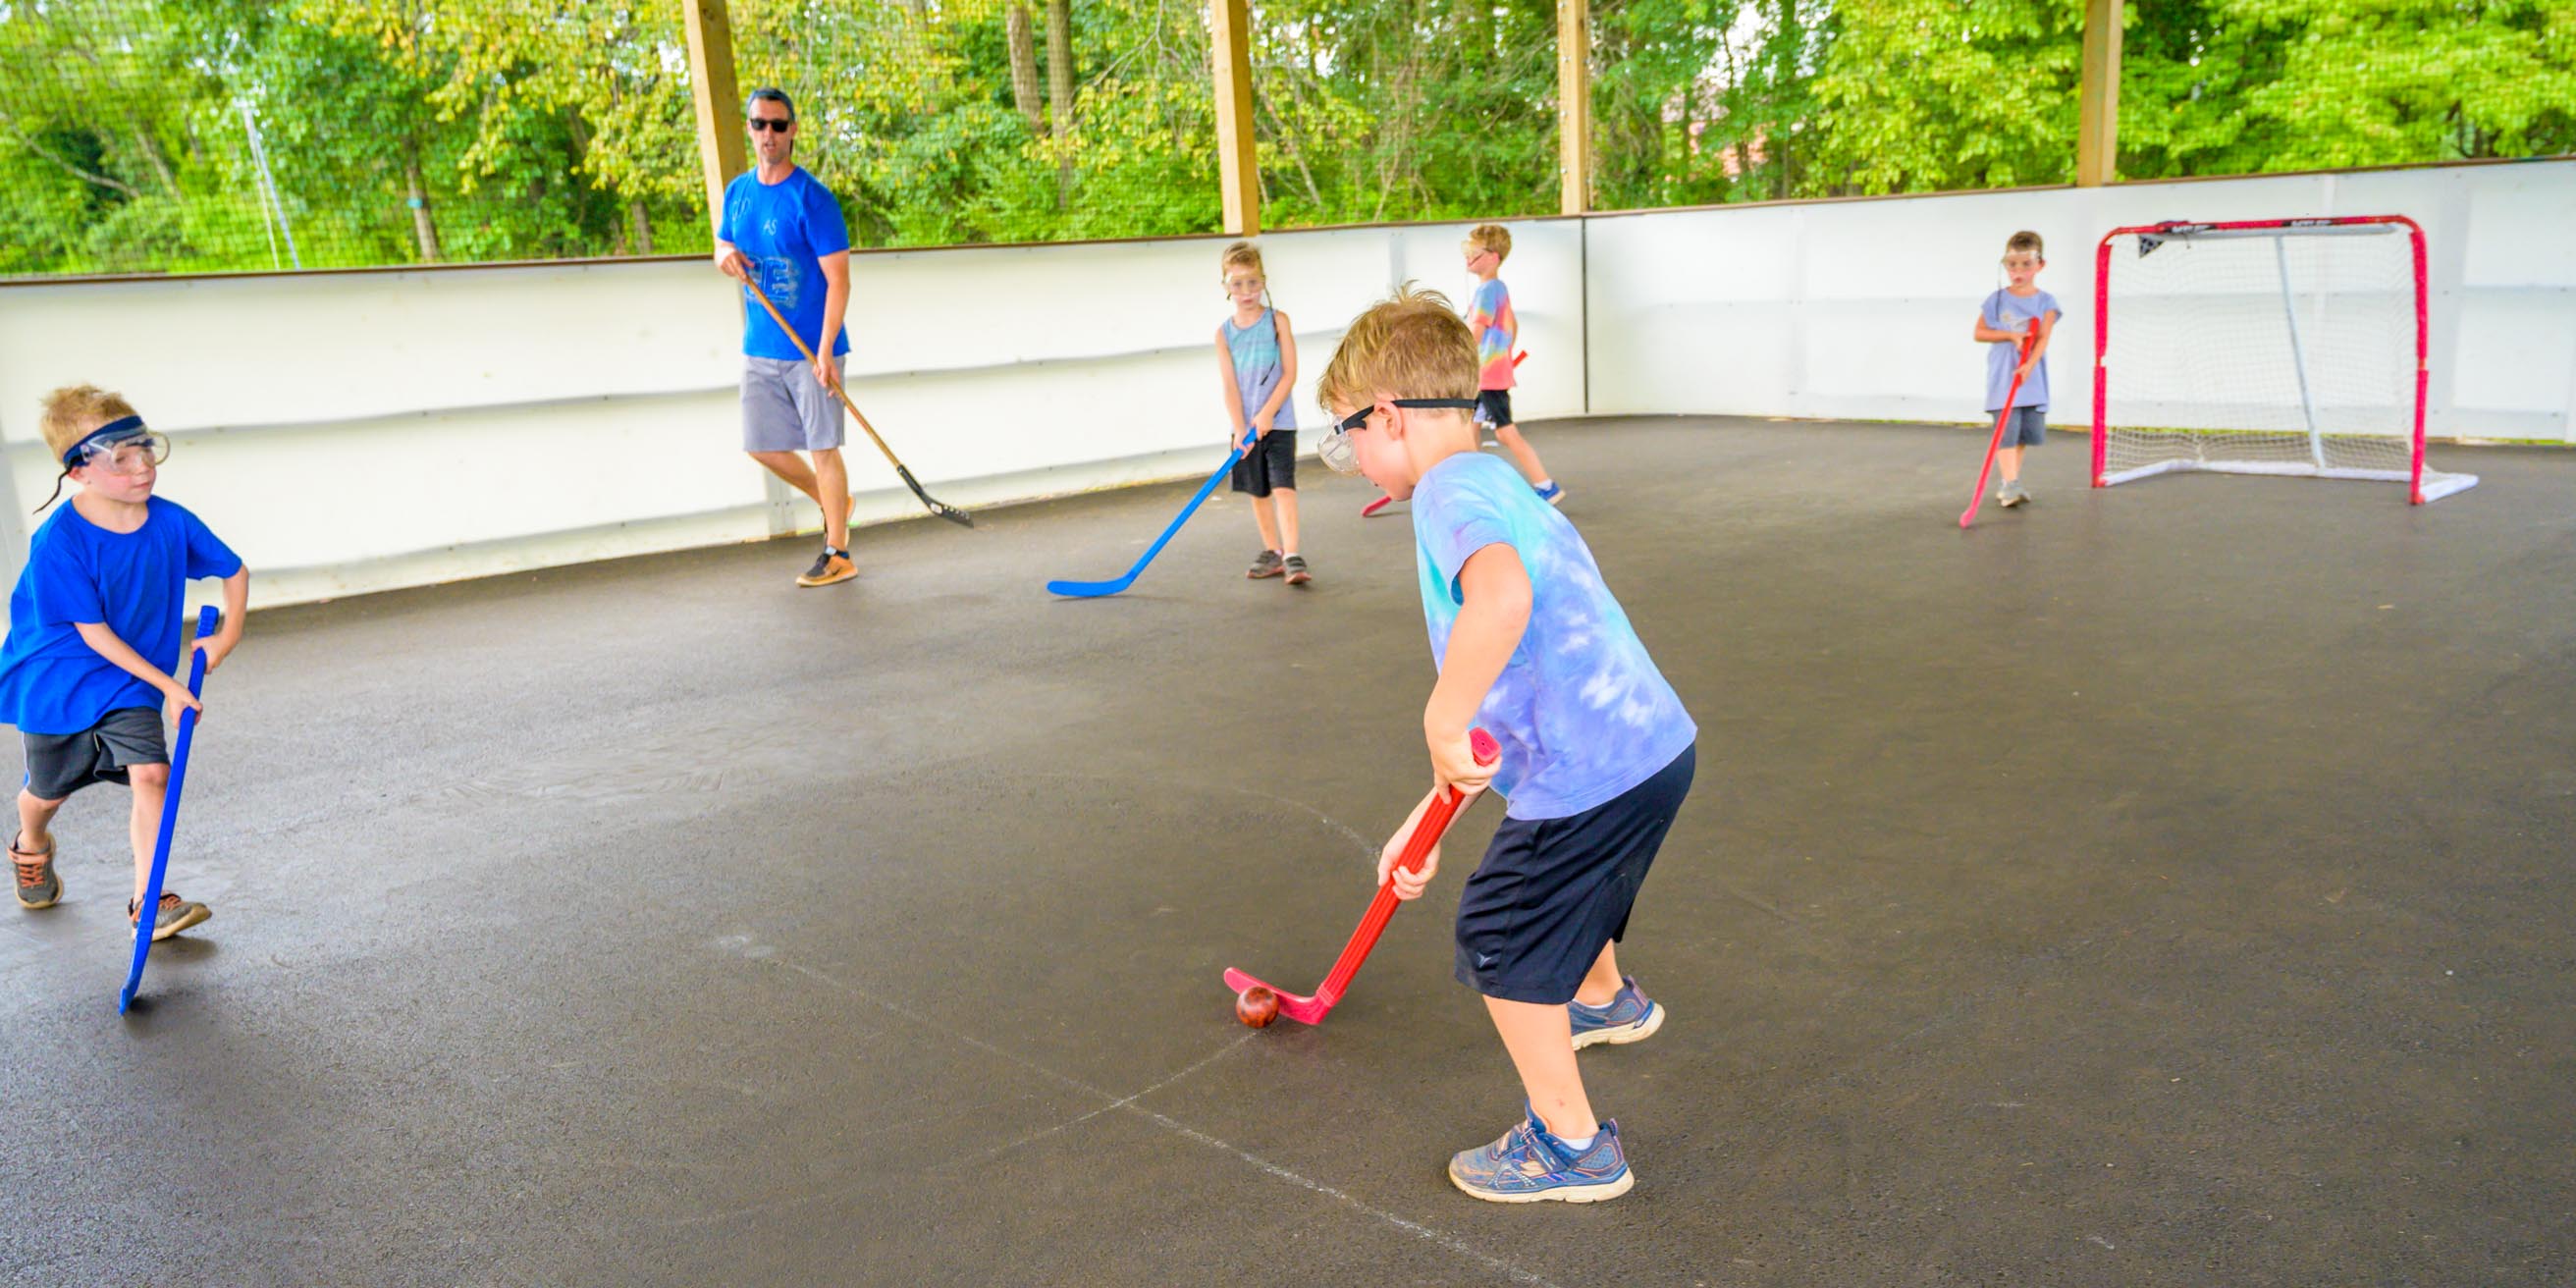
147, 912
1098, 589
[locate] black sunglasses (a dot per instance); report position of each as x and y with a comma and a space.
772, 124
1358, 420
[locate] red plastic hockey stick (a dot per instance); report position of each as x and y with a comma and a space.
1417, 847
1996, 440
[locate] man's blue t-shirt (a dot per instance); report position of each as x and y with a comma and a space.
51, 681
2005, 311
785, 229
1580, 710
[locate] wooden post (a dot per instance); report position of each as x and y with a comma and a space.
2097, 139
1238, 172
1574, 106
719, 102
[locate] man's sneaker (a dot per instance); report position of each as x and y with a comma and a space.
1553, 493
2012, 494
829, 566
1268, 565
1631, 1016
38, 887
1529, 1166
176, 914
1295, 567
1370, 511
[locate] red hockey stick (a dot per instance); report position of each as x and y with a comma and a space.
1417, 847
2020, 351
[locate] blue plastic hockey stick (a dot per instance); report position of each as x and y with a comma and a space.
1096, 589
148, 912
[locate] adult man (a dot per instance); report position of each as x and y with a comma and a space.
782, 225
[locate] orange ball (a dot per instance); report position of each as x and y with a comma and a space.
1257, 1007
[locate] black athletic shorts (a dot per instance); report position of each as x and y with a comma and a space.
59, 764
1551, 892
1271, 463
1494, 407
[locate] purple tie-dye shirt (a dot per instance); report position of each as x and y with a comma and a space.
1580, 710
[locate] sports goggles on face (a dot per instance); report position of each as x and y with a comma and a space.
1343, 456
122, 446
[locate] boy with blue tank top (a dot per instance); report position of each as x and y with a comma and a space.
1597, 752
94, 634
1258, 354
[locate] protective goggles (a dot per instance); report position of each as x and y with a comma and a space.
1342, 456
119, 447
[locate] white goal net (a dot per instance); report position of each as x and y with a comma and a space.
2292, 346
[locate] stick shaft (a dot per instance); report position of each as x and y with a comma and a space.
1995, 441
146, 914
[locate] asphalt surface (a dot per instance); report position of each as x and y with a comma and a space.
2160, 885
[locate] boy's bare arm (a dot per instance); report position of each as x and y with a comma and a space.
104, 642
228, 634
1995, 335
1489, 627
1236, 420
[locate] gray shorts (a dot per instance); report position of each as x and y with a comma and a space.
2028, 427
784, 409
60, 764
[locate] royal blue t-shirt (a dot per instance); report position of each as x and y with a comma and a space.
1580, 710
51, 680
785, 229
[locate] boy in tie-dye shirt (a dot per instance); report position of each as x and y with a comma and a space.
1498, 334
1597, 752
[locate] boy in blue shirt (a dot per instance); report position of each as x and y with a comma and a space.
1597, 752
94, 628
2002, 321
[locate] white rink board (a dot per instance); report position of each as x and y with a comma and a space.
362, 431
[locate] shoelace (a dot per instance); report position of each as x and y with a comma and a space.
29, 874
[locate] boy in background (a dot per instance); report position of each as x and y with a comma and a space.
2002, 323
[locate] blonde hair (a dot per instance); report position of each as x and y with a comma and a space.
1242, 252
73, 411
1413, 345
2025, 240
1492, 237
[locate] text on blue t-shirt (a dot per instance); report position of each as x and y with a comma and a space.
785, 229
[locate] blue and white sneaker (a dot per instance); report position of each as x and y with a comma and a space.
1630, 1017
1529, 1166
1553, 493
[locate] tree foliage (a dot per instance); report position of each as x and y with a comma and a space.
132, 132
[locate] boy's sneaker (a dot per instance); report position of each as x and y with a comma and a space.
1630, 1017
1268, 565
1295, 567
2012, 494
829, 567
1529, 1166
176, 914
1553, 493
38, 887
1370, 510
